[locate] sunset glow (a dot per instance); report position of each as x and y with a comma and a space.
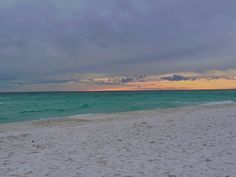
89, 45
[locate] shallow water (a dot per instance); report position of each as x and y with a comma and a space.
15, 107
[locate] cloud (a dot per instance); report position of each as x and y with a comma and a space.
112, 80
214, 75
40, 40
175, 78
185, 80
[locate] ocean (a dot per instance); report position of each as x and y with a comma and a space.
17, 107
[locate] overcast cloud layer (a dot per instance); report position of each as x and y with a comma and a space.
55, 38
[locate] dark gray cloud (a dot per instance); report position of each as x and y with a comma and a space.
45, 38
113, 80
176, 77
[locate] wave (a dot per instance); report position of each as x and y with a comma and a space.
219, 103
84, 106
1, 103
81, 115
43, 110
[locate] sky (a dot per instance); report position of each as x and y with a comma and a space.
80, 45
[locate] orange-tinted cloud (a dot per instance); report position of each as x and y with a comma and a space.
174, 81
207, 80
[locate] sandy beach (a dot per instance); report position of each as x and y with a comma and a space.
184, 142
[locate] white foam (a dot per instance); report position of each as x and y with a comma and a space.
219, 103
80, 115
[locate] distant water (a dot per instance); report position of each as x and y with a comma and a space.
16, 107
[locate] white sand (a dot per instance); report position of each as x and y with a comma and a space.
186, 142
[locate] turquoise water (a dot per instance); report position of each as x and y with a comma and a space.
15, 107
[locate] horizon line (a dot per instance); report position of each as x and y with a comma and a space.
83, 91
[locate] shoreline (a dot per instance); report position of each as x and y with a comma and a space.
96, 116
187, 141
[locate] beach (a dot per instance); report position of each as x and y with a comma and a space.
195, 141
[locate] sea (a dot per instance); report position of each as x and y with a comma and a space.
17, 107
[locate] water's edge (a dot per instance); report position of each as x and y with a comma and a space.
17, 107
97, 116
